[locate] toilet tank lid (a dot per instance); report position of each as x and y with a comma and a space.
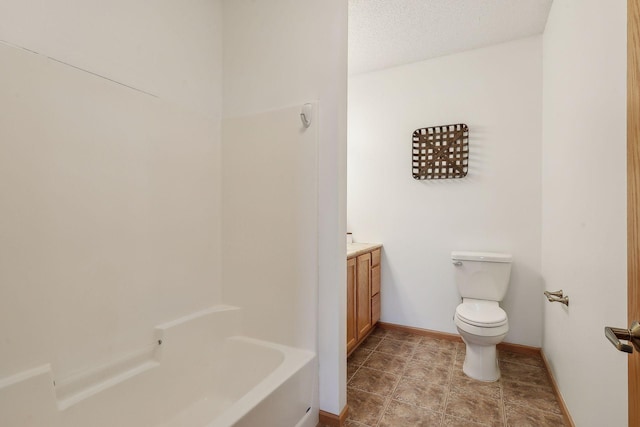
481, 256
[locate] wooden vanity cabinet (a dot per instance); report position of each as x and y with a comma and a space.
363, 296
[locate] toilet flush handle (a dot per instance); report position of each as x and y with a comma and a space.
457, 263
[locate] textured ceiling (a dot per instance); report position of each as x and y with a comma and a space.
386, 33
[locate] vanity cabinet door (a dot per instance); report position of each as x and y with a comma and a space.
375, 280
352, 338
375, 257
375, 294
363, 299
375, 308
375, 286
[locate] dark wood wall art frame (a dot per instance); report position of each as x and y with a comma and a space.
440, 152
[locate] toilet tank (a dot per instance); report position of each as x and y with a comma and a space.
482, 275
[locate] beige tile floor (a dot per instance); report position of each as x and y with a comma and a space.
398, 379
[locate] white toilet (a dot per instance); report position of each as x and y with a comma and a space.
482, 279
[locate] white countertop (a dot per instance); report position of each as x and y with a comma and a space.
355, 249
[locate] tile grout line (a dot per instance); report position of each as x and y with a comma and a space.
371, 350
502, 405
535, 409
360, 366
386, 402
449, 386
501, 390
518, 381
395, 386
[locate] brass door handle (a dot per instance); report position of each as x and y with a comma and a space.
614, 335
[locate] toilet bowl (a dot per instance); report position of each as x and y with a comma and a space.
482, 279
482, 325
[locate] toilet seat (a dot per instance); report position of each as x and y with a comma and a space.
484, 314
481, 318
481, 331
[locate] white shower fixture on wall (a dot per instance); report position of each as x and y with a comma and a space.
305, 114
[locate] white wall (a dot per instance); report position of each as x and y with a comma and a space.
110, 197
497, 92
584, 204
279, 54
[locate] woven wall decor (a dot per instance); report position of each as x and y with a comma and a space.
440, 152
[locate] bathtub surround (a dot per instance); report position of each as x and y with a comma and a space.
277, 249
583, 210
112, 169
496, 91
110, 202
172, 51
280, 54
200, 372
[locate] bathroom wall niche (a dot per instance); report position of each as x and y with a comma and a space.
440, 152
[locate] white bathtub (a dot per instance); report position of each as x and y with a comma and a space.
255, 383
201, 375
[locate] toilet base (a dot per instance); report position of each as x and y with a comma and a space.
481, 362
